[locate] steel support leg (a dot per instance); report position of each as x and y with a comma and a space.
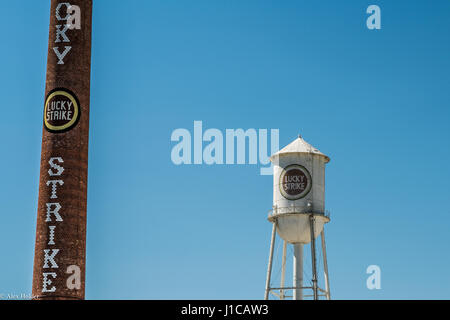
325, 265
298, 271
283, 271
269, 269
313, 257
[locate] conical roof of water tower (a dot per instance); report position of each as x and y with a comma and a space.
299, 146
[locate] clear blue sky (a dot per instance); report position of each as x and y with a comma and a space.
376, 102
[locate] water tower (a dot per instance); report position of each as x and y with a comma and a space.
298, 216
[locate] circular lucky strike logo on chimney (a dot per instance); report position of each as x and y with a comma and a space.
61, 111
295, 182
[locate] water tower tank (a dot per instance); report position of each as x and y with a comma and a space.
299, 191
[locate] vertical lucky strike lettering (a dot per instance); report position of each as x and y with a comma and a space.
72, 21
53, 217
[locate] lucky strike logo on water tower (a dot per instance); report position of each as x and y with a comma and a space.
295, 182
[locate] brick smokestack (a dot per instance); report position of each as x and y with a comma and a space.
60, 251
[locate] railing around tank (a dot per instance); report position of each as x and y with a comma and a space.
298, 210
